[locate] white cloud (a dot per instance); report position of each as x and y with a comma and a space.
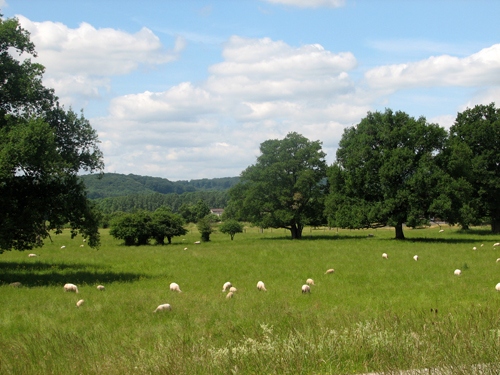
310, 3
487, 96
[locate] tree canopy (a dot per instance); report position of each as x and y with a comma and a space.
385, 173
42, 147
284, 188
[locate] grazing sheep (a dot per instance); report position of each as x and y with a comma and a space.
457, 272
185, 248
70, 288
81, 245
197, 242
441, 231
482, 244
100, 287
84, 240
370, 235
474, 248
175, 288
497, 287
310, 281
498, 260
415, 257
79, 303
233, 289
331, 270
32, 255
306, 288
261, 286
184, 239
226, 286
229, 295
163, 307
17, 284
385, 256
497, 244
63, 247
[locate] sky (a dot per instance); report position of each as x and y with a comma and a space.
189, 89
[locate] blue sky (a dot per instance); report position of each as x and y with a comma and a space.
187, 89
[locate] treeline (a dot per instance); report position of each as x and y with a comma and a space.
116, 185
151, 202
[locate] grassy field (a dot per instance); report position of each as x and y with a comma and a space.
372, 314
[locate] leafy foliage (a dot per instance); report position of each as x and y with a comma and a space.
167, 224
205, 227
284, 188
231, 227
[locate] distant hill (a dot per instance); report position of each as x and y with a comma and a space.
116, 185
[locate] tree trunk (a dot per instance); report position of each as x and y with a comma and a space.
495, 225
296, 232
399, 232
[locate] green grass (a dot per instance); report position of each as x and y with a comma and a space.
370, 315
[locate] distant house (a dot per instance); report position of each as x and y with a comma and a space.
217, 211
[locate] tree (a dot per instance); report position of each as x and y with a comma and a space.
386, 173
284, 188
231, 227
134, 229
166, 224
201, 210
42, 147
474, 156
205, 228
187, 212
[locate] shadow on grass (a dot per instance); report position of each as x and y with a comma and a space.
45, 274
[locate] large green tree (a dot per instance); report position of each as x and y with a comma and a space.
167, 224
386, 173
474, 156
285, 187
42, 147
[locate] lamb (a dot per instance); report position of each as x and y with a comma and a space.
229, 295
197, 242
474, 248
63, 247
385, 256
32, 255
497, 244
81, 245
310, 281
163, 307
457, 272
175, 288
100, 287
498, 260
441, 231
415, 257
185, 248
70, 288
233, 289
497, 287
482, 244
226, 286
306, 288
84, 240
79, 303
261, 286
331, 270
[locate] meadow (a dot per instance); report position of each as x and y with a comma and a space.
370, 315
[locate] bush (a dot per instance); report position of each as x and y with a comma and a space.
205, 228
231, 227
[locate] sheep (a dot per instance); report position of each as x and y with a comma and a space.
32, 255
185, 248
101, 287
385, 256
498, 260
497, 244
81, 245
482, 244
441, 231
184, 239
370, 235
457, 272
306, 288
17, 284
63, 247
84, 240
261, 286
229, 295
310, 281
70, 288
497, 287
474, 248
163, 307
226, 286
79, 303
331, 270
197, 242
415, 257
175, 288
233, 289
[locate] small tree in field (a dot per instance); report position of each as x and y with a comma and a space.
166, 224
205, 228
231, 227
134, 228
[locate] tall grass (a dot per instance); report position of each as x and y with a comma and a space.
370, 315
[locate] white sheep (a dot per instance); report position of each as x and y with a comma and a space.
175, 288
70, 288
474, 248
457, 272
233, 289
482, 244
197, 242
32, 255
63, 247
185, 248
498, 260
184, 239
229, 295
331, 270
81, 245
79, 303
415, 257
310, 281
261, 286
84, 240
163, 307
306, 288
385, 256
497, 287
226, 286
101, 287
497, 244
17, 284
441, 231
